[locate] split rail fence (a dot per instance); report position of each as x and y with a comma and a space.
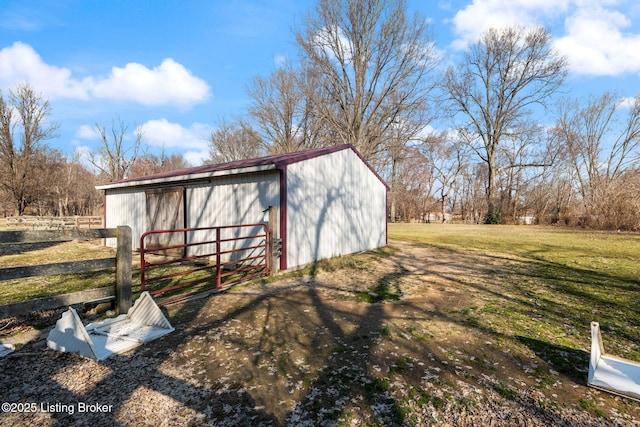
121, 292
54, 222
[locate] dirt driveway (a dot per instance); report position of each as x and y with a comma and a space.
396, 338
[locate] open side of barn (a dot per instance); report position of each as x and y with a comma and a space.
330, 202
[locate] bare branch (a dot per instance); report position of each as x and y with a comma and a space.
114, 157
372, 65
492, 91
23, 128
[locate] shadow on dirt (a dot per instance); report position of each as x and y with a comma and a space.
568, 361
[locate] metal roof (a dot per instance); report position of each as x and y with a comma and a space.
274, 162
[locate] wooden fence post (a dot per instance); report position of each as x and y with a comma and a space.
123, 269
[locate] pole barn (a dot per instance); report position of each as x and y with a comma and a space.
329, 202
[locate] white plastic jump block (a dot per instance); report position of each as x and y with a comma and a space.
5, 349
610, 373
143, 322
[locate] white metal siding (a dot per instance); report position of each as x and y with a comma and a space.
126, 207
230, 200
233, 199
335, 206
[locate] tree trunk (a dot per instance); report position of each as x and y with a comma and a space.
493, 213
392, 202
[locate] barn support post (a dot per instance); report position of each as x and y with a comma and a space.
218, 259
123, 269
274, 241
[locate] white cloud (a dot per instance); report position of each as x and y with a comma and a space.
83, 154
594, 38
86, 132
470, 22
596, 45
427, 132
20, 62
280, 60
630, 102
196, 158
168, 84
162, 133
334, 43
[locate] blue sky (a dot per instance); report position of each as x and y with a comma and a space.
174, 67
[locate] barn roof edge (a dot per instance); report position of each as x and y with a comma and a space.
259, 164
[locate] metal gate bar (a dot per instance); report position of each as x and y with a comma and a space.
245, 267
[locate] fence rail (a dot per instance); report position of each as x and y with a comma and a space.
33, 236
54, 222
122, 262
241, 250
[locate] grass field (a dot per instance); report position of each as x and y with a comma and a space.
580, 274
556, 280
600, 252
43, 253
448, 325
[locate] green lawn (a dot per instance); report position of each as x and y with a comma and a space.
446, 319
553, 281
601, 253
550, 284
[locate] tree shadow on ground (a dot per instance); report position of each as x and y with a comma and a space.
127, 375
567, 361
346, 382
22, 248
130, 379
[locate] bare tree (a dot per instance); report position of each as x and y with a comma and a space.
551, 194
523, 158
373, 66
411, 187
60, 178
148, 164
493, 90
620, 210
279, 109
602, 144
471, 192
115, 156
21, 138
75, 192
447, 158
235, 140
399, 155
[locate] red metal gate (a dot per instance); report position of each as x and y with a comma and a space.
210, 258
